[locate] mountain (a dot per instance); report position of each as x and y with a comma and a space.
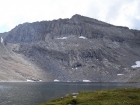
75, 49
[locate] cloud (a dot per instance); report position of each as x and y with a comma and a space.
125, 14
117, 12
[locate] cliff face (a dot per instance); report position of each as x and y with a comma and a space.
75, 49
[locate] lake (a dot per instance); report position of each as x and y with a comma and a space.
33, 93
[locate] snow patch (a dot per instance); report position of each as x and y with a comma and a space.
56, 80
1, 40
82, 37
40, 80
119, 74
28, 80
62, 38
74, 68
86, 81
137, 64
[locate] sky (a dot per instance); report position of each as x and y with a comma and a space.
116, 12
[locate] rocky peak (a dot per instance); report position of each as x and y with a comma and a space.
77, 25
77, 17
83, 19
74, 49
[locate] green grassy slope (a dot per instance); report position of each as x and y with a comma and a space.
102, 97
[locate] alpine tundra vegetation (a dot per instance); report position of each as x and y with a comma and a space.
103, 97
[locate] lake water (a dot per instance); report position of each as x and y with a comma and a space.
33, 93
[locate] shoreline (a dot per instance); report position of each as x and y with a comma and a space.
120, 96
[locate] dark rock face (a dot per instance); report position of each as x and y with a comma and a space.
78, 48
37, 31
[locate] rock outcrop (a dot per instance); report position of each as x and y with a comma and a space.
75, 49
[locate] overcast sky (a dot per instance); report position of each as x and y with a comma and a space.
117, 12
